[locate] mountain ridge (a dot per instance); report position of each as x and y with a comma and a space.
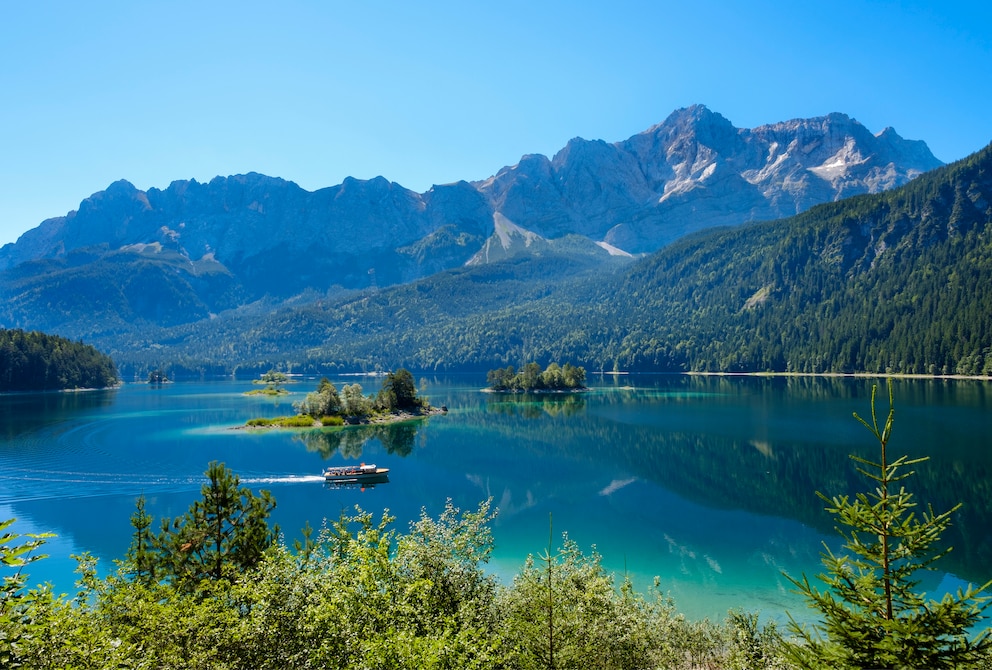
690, 139
897, 282
192, 251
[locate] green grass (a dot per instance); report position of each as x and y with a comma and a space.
267, 391
299, 421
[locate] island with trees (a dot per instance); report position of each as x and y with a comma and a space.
397, 400
532, 379
273, 382
35, 361
158, 376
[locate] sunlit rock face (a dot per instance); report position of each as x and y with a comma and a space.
696, 170
194, 250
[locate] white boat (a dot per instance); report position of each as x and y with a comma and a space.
353, 474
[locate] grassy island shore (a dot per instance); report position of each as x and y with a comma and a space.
396, 401
307, 421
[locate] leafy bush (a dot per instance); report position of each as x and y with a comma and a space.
325, 401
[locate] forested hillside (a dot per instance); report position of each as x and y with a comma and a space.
895, 282
33, 361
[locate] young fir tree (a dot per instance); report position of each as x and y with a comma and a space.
141, 557
873, 615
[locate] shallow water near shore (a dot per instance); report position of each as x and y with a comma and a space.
707, 483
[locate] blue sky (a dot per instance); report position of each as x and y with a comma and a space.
432, 92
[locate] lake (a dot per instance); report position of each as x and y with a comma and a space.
705, 482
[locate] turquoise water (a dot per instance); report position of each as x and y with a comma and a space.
705, 482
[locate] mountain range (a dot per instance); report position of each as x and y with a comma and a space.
893, 282
134, 269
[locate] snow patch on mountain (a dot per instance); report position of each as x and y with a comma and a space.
838, 165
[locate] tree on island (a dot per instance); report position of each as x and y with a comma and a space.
532, 378
325, 401
274, 378
354, 402
398, 394
273, 381
157, 376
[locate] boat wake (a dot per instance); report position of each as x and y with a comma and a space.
36, 484
287, 479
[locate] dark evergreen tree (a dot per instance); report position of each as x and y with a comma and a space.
141, 554
399, 391
222, 535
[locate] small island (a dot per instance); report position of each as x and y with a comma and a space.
397, 400
532, 379
158, 376
273, 381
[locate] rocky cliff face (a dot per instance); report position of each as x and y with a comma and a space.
234, 240
696, 170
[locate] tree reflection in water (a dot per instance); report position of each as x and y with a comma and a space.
398, 439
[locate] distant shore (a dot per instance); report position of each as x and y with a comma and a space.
892, 375
536, 391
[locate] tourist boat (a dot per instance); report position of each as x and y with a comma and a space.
355, 474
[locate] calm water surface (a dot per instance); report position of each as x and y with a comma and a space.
706, 482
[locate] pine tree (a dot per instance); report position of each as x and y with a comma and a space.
141, 554
873, 615
222, 535
399, 391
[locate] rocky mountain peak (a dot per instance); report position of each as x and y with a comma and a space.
696, 169
265, 236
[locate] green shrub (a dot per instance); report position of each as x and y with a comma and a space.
298, 421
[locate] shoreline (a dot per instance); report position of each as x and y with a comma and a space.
852, 375
82, 389
535, 391
391, 418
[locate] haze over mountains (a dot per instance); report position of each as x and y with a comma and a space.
129, 263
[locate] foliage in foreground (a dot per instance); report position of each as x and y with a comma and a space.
359, 594
873, 614
215, 590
